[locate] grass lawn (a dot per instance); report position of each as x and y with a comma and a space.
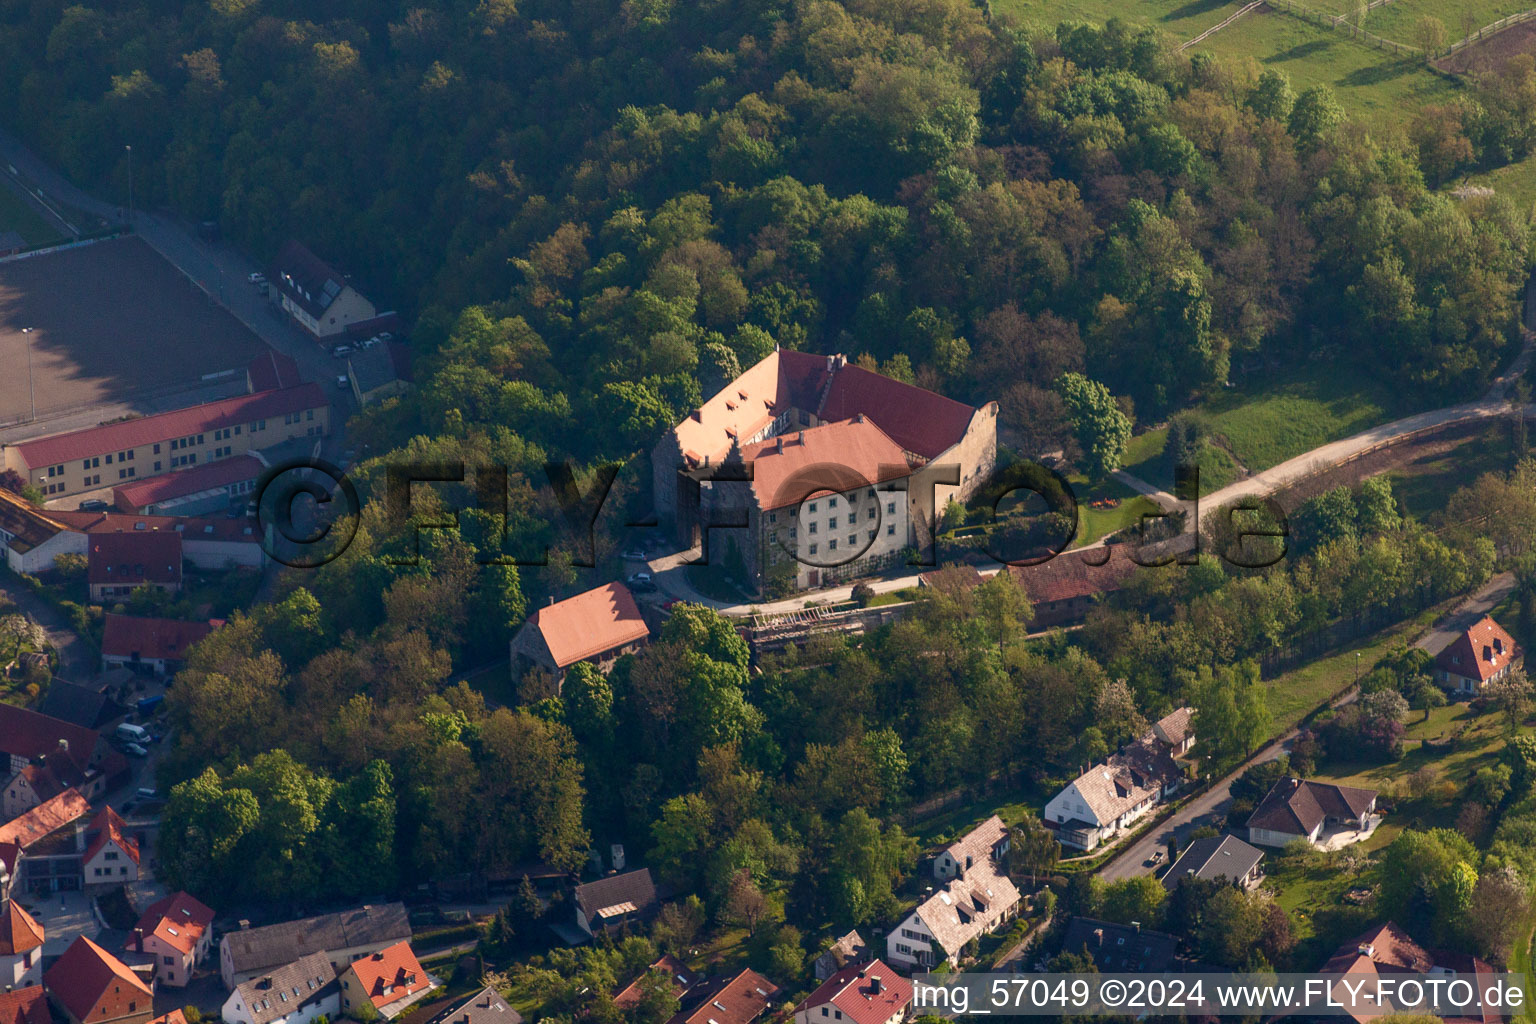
1272, 418
1397, 20
1144, 459
1183, 19
1373, 85
16, 215
1424, 484
1094, 523
1517, 181
1293, 694
1020, 804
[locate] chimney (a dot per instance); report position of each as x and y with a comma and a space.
801, 438
697, 415
858, 417
780, 446
138, 939
1136, 925
551, 599
244, 924
875, 986
831, 363
63, 746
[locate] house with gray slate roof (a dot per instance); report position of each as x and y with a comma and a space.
344, 936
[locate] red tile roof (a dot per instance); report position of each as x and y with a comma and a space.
394, 968
19, 931
920, 421
590, 623
127, 635
180, 920
677, 972
1073, 574
174, 1017
94, 985
1480, 653
81, 444
30, 736
738, 999
833, 457
109, 827
1387, 949
869, 993
45, 784
130, 559
188, 527
25, 1006
45, 819
131, 497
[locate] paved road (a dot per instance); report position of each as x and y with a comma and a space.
1217, 798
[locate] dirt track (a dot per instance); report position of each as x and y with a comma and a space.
1492, 52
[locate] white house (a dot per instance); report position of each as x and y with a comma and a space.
1302, 809
869, 993
1107, 798
21, 944
977, 901
988, 841
295, 993
178, 930
1484, 654
111, 855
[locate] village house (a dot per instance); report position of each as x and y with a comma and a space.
39, 782
89, 707
198, 490
850, 949
1120, 948
320, 298
988, 841
738, 998
21, 946
73, 754
611, 903
484, 1007
344, 937
27, 1005
877, 458
1108, 798
978, 899
1388, 950
1484, 654
178, 930
391, 980
869, 993
111, 856
91, 986
1063, 589
598, 626
151, 645
33, 539
1302, 809
295, 993
51, 840
1217, 859
678, 975
117, 564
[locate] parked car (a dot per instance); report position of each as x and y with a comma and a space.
94, 505
146, 793
635, 555
342, 383
258, 278
134, 750
341, 350
643, 587
641, 577
385, 336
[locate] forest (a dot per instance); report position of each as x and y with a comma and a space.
594, 214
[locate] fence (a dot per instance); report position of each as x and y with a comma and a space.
1341, 23
1488, 30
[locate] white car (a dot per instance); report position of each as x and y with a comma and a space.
135, 750
258, 278
342, 383
341, 350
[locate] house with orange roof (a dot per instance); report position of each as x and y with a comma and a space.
738, 998
111, 856
1483, 654
798, 427
146, 644
24, 1006
391, 979
74, 753
178, 930
50, 839
21, 946
88, 985
1387, 950
597, 626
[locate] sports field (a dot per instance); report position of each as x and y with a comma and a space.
111, 322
